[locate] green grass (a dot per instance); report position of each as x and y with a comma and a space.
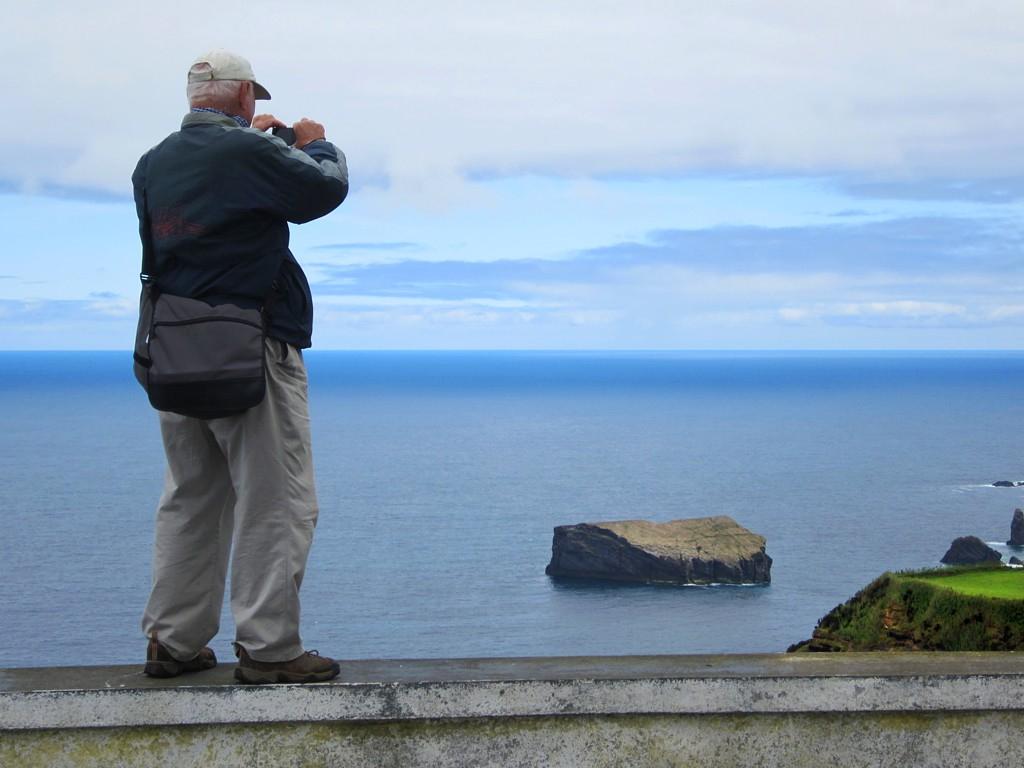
1001, 583
963, 608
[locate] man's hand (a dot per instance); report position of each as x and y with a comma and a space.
307, 130
264, 122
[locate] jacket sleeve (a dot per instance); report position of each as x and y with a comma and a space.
292, 184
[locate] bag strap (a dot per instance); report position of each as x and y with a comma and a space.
148, 261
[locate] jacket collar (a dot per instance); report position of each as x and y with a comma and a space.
208, 118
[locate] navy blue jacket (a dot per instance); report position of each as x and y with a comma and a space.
218, 199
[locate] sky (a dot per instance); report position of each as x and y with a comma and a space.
555, 175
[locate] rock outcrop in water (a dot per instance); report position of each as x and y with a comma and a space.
1017, 529
970, 550
702, 550
1007, 484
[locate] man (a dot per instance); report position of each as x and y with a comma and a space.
218, 196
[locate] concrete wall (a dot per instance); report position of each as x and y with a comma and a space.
772, 710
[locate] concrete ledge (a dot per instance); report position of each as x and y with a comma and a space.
104, 697
948, 707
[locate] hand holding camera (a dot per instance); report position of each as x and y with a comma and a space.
307, 130
299, 135
263, 122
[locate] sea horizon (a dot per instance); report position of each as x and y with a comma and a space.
612, 350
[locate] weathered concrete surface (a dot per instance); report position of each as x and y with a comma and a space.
700, 550
852, 709
870, 740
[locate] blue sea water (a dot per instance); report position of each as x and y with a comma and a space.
442, 474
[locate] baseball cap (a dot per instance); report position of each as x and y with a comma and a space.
224, 65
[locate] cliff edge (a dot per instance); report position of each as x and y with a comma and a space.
977, 608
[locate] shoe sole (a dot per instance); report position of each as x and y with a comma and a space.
175, 668
272, 677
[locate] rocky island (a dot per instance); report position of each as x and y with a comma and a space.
1017, 529
970, 550
706, 550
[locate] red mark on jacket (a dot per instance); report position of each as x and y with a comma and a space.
171, 222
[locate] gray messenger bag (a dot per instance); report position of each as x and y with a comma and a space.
194, 358
198, 359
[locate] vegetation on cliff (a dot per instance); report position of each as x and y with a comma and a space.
950, 609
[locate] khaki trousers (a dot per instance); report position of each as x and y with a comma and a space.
245, 480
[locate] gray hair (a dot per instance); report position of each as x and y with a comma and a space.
213, 93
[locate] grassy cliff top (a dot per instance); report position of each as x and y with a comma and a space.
1000, 583
952, 609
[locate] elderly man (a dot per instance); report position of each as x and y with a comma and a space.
215, 199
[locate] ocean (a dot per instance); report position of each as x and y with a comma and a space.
442, 474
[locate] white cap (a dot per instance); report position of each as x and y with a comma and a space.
224, 65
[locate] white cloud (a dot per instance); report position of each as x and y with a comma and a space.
114, 307
795, 315
423, 92
1008, 312
356, 300
907, 309
704, 284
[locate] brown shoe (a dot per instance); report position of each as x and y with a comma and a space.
310, 667
160, 663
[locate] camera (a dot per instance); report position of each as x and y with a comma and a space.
285, 134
